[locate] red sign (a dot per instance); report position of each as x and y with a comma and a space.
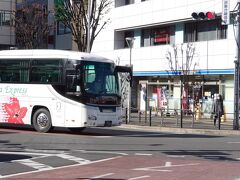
162, 36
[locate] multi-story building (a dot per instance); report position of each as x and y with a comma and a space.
7, 32
155, 27
62, 38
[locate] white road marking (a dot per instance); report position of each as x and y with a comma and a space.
143, 154
140, 177
168, 164
176, 156
62, 167
100, 176
73, 158
162, 168
44, 151
233, 142
103, 152
34, 164
42, 155
102, 137
152, 169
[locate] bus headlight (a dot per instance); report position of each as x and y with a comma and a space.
92, 117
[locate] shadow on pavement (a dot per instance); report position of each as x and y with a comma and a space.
12, 157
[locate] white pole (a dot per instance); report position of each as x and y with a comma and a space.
89, 25
130, 41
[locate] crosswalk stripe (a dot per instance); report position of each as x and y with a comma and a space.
34, 164
73, 158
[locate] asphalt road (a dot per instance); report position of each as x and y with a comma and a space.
114, 153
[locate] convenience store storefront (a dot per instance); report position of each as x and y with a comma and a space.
161, 91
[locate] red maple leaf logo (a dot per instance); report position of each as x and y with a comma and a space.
16, 114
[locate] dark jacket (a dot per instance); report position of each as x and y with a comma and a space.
218, 106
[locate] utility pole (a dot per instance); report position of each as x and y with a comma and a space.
130, 41
237, 73
89, 25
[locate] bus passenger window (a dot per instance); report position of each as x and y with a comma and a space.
47, 71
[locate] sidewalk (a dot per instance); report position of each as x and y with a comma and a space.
173, 125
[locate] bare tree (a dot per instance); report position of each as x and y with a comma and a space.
31, 23
74, 14
181, 60
182, 65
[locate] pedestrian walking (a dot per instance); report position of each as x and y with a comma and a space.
218, 109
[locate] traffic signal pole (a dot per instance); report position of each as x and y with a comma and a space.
237, 73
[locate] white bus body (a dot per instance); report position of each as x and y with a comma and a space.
47, 88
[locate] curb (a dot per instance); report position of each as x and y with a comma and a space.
183, 130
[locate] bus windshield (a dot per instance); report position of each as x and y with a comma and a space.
99, 78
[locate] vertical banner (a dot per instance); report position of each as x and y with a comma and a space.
185, 99
159, 98
225, 12
143, 97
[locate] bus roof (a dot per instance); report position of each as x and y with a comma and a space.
51, 54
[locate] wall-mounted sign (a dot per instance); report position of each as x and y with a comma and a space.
225, 12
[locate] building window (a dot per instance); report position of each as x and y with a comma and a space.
128, 34
5, 18
129, 2
156, 36
119, 3
161, 35
205, 31
62, 29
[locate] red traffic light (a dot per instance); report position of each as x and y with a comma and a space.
203, 15
210, 15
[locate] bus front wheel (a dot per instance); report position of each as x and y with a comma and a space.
42, 120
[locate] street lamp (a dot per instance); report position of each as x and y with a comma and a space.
130, 41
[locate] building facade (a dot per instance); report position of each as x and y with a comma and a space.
60, 35
158, 26
156, 29
7, 32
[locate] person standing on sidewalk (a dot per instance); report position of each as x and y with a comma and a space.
218, 109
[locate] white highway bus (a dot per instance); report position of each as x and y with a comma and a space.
57, 88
